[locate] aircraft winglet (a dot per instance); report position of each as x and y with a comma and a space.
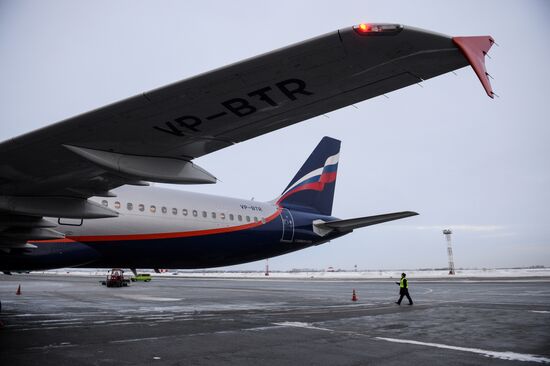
475, 49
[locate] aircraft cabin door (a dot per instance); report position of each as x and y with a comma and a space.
288, 226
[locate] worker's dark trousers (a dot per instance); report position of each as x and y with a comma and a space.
404, 292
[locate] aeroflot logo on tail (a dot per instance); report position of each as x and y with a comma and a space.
185, 125
316, 179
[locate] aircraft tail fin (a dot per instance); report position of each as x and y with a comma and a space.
312, 188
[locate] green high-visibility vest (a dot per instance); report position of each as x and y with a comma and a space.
403, 283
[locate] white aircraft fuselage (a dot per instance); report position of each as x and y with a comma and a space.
161, 227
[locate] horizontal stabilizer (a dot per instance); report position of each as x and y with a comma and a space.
351, 224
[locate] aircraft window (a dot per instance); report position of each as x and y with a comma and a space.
117, 204
153, 209
105, 203
222, 216
213, 215
195, 213
247, 218
184, 212
231, 217
204, 214
240, 218
129, 206
164, 209
174, 211
141, 207
255, 219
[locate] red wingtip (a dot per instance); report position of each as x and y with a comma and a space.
475, 49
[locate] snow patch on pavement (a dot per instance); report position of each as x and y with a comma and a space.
301, 325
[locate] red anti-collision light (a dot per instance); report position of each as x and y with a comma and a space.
363, 27
377, 29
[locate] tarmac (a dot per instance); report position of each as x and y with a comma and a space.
60, 320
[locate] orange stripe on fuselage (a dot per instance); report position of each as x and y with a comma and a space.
184, 234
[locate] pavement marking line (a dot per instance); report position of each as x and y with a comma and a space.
540, 311
510, 356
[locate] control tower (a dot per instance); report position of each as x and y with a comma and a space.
447, 233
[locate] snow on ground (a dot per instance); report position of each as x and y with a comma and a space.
328, 275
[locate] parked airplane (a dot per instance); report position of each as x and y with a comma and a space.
159, 227
71, 193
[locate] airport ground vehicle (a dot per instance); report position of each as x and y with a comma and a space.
141, 277
115, 278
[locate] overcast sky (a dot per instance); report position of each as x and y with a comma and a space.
463, 161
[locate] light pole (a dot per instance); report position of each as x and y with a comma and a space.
447, 233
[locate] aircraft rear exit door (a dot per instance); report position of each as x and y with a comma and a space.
288, 226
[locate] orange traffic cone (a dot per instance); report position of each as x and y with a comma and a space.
18, 292
353, 296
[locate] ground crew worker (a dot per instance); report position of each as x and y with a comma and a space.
403, 289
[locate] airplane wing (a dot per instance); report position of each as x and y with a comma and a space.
346, 226
154, 136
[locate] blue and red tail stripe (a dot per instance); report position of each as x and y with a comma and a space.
312, 188
316, 183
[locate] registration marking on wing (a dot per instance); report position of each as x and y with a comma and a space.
291, 89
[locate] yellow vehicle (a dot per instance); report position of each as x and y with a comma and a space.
143, 277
